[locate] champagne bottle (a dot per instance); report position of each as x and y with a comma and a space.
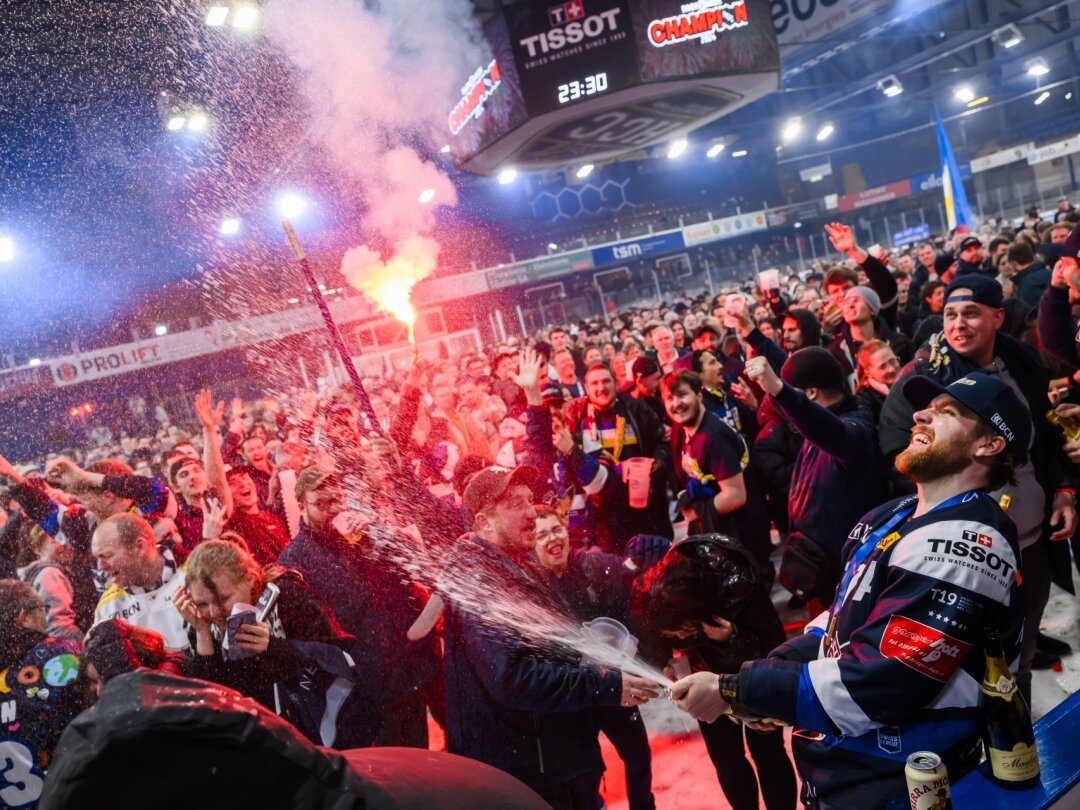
1067, 425
1009, 738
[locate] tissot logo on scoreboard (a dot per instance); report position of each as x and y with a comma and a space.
567, 52
700, 21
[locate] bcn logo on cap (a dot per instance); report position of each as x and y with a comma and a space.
1006, 431
964, 381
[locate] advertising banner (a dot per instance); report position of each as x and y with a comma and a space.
638, 248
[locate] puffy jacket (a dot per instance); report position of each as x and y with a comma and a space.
521, 709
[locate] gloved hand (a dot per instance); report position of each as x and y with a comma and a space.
696, 490
646, 550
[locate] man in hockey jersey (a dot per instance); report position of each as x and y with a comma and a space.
894, 665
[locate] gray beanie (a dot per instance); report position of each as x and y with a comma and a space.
868, 295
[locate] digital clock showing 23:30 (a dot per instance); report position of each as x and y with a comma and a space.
589, 86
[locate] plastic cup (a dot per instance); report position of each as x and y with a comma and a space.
635, 473
613, 634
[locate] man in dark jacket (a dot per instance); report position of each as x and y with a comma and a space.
1032, 276
524, 710
1043, 496
836, 473
970, 258
609, 428
374, 604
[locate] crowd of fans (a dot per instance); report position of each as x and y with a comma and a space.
662, 467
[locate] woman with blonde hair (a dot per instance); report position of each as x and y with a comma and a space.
281, 628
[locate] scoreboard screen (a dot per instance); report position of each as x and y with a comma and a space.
647, 70
571, 51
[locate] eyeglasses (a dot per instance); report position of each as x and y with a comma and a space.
556, 533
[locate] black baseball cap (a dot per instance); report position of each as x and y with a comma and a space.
984, 290
995, 402
969, 241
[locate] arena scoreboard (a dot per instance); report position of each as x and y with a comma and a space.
596, 79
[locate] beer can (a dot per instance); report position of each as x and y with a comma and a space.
927, 782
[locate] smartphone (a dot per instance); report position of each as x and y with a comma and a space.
266, 602
241, 615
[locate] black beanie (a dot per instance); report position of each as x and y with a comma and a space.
813, 367
1071, 245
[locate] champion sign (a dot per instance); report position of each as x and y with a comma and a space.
480, 87
579, 29
712, 18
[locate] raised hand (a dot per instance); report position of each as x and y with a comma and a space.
528, 375
208, 415
215, 515
65, 473
758, 370
842, 238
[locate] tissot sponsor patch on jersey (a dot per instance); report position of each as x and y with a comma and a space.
961, 552
978, 537
923, 648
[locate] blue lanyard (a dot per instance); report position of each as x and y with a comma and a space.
878, 535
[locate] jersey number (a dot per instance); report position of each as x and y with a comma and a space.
19, 785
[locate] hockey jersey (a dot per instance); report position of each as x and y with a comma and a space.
895, 665
149, 607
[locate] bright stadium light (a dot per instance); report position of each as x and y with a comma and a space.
964, 93
507, 176
584, 171
175, 122
676, 148
739, 153
792, 129
1043, 96
714, 150
1008, 36
198, 122
1037, 66
34, 361
890, 86
825, 131
7, 248
161, 329
427, 195
217, 15
245, 18
229, 226
291, 205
